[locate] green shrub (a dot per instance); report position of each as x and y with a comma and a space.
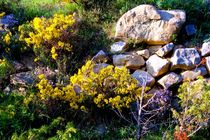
14, 113
195, 104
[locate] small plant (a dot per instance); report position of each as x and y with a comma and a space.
5, 68
195, 113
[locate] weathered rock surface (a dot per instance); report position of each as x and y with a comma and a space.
99, 66
193, 74
143, 78
205, 50
157, 66
165, 49
49, 74
100, 57
128, 60
23, 79
208, 63
186, 59
143, 53
154, 49
169, 80
119, 47
145, 23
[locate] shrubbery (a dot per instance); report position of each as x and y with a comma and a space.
195, 104
111, 86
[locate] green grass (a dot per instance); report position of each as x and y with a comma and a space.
28, 9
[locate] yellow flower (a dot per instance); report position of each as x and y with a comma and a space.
7, 38
41, 76
2, 14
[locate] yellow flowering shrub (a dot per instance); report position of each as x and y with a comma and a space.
49, 37
111, 86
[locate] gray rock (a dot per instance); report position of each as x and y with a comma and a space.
165, 49
49, 74
205, 50
99, 66
129, 60
119, 47
143, 53
208, 64
157, 66
100, 57
23, 79
202, 70
190, 29
7, 21
170, 80
186, 59
145, 23
154, 49
193, 74
143, 78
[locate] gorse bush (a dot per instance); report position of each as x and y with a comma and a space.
195, 103
110, 87
49, 37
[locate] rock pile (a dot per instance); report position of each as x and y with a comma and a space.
161, 62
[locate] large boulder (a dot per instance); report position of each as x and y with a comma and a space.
131, 61
157, 66
145, 23
170, 80
143, 78
185, 58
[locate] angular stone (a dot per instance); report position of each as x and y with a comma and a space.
154, 49
157, 66
169, 80
128, 60
143, 53
186, 59
165, 49
23, 78
100, 57
143, 78
7, 21
193, 74
205, 50
99, 66
145, 23
208, 64
190, 29
119, 47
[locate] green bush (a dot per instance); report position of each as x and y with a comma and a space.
195, 104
